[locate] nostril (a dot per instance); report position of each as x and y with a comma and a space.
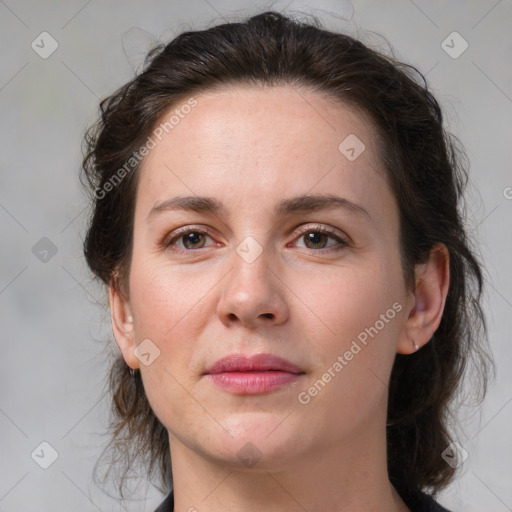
268, 315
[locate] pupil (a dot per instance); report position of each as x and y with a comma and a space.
315, 237
192, 239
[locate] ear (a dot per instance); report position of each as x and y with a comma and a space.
122, 323
429, 297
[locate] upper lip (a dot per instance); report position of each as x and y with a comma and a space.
258, 362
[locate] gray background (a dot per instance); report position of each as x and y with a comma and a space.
53, 321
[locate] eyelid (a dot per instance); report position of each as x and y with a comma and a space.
322, 228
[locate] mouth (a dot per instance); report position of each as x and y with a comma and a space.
252, 375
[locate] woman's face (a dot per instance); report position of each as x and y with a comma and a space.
288, 245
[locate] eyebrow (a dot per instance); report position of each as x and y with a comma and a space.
298, 204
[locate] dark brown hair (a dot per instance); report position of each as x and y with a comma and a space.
426, 172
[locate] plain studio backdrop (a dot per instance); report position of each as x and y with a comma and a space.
58, 59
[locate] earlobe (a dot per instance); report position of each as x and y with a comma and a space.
122, 324
432, 284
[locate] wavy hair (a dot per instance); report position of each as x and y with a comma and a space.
426, 170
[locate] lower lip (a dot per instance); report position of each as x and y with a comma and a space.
252, 383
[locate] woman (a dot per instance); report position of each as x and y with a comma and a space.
276, 216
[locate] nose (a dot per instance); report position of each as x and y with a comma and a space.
253, 295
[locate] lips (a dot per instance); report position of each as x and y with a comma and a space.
258, 374
256, 363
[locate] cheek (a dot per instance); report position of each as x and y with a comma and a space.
161, 303
172, 306
350, 300
167, 309
362, 313
163, 296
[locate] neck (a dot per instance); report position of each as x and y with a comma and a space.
349, 475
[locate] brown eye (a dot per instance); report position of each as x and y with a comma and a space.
316, 240
321, 238
193, 240
189, 240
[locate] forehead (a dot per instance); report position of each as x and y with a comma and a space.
241, 142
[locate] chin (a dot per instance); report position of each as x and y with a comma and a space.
258, 441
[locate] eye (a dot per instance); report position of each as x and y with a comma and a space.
318, 238
188, 239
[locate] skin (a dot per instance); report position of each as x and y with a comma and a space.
307, 302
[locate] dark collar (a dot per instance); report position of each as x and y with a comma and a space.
167, 505
416, 500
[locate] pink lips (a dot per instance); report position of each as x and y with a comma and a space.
253, 375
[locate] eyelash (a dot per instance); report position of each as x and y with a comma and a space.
341, 242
